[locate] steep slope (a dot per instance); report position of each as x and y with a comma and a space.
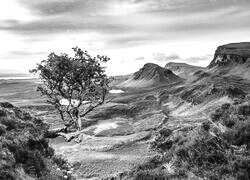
116, 80
151, 74
207, 115
232, 59
228, 74
25, 152
207, 133
182, 69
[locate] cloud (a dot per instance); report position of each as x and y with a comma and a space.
126, 23
109, 25
141, 58
161, 57
197, 59
21, 54
51, 16
50, 8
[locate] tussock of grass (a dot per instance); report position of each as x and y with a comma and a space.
207, 151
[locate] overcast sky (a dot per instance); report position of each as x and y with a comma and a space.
130, 32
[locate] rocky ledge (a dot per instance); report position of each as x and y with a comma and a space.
234, 53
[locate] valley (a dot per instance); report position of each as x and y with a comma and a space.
154, 126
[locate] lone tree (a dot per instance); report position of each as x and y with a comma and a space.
71, 82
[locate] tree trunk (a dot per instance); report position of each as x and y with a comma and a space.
79, 122
55, 132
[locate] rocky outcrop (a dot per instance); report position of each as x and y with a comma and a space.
150, 75
154, 72
231, 54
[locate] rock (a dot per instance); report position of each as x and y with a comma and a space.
70, 136
150, 75
234, 53
69, 172
152, 71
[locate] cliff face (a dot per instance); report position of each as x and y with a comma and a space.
231, 54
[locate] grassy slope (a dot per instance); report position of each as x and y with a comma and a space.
190, 105
25, 152
134, 111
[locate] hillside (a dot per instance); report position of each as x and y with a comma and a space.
182, 69
151, 74
232, 59
168, 128
227, 75
25, 153
207, 133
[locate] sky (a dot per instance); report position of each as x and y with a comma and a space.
130, 32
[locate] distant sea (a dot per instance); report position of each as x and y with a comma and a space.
4, 76
16, 77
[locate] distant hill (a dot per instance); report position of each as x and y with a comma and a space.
116, 80
182, 69
232, 59
151, 74
228, 74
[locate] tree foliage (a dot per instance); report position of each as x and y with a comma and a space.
76, 80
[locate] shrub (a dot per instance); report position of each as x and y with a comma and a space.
3, 113
2, 129
244, 110
239, 135
205, 125
59, 161
24, 151
6, 105
9, 123
162, 143
205, 155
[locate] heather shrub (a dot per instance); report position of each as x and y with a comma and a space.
239, 135
25, 151
162, 143
208, 153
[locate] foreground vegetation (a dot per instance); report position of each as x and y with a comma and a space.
25, 153
218, 149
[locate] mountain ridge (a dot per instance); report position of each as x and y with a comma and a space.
151, 74
183, 70
231, 53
